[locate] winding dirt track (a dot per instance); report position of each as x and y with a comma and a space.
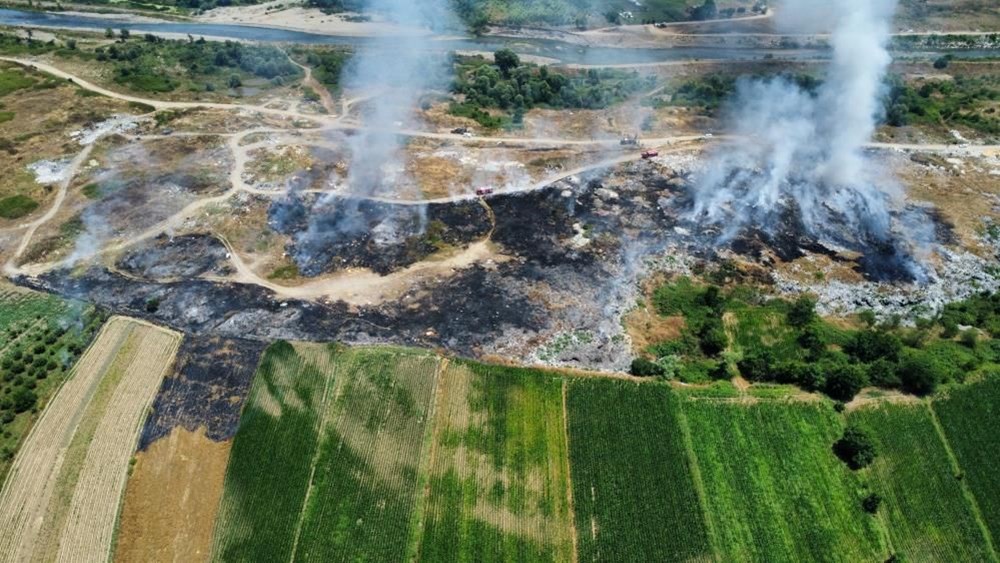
354, 287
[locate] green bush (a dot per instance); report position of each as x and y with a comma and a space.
642, 367
855, 448
17, 206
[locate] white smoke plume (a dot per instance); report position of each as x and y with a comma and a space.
396, 71
801, 151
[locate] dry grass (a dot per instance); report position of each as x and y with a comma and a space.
172, 499
62, 496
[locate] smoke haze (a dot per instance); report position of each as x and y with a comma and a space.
802, 151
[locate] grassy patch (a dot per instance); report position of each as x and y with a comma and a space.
969, 417
928, 516
499, 484
17, 206
633, 489
774, 489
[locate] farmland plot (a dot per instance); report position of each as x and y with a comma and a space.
633, 489
365, 481
774, 489
326, 460
970, 417
499, 481
272, 454
928, 516
61, 498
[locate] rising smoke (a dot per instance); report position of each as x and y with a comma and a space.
801, 153
396, 71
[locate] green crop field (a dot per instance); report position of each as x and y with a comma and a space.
970, 417
326, 462
774, 489
928, 516
271, 461
499, 482
634, 495
364, 492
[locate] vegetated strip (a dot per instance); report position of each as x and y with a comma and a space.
271, 459
926, 512
776, 491
32, 479
66, 485
498, 485
365, 486
633, 490
93, 510
970, 417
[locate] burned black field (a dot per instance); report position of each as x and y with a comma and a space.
568, 261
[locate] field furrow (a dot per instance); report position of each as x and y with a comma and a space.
499, 482
633, 489
31, 481
99, 488
64, 491
775, 490
928, 516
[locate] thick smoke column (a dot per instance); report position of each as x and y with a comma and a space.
802, 152
396, 71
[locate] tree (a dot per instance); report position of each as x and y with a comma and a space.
855, 448
941, 63
506, 60
124, 34
23, 399
234, 81
109, 33
845, 381
641, 367
802, 312
868, 317
871, 503
919, 373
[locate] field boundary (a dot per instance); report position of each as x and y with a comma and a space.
970, 497
569, 472
696, 478
426, 466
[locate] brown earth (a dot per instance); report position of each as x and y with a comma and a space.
172, 499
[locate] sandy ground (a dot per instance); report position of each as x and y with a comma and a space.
305, 19
172, 499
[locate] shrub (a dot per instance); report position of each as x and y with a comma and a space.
870, 345
883, 373
919, 373
855, 448
802, 311
641, 367
17, 206
712, 337
757, 364
871, 503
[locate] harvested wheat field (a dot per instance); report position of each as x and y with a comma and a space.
61, 498
172, 499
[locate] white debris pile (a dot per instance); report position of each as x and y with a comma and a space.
50, 171
959, 276
116, 124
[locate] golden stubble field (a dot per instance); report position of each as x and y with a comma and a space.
60, 501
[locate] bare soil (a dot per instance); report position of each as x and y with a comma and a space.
172, 499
